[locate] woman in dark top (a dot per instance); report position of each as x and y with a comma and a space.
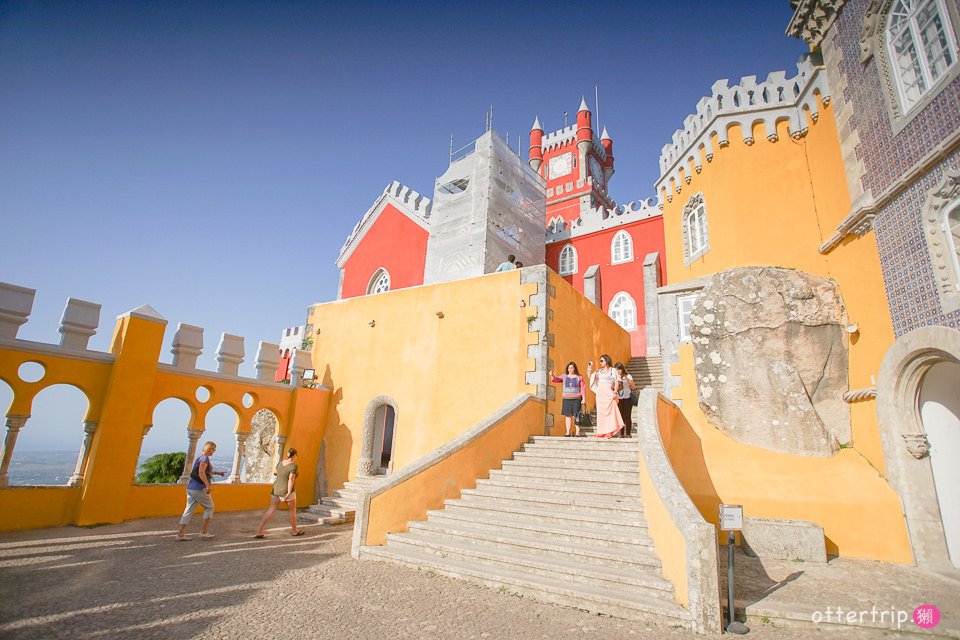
283, 491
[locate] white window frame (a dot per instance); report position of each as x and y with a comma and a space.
683, 315
571, 269
375, 282
696, 231
617, 307
624, 241
911, 30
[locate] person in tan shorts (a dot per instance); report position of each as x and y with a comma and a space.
283, 491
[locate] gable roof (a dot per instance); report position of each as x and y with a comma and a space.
410, 203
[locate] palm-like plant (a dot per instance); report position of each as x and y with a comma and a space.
162, 468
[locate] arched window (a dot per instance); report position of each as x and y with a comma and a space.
951, 226
568, 260
621, 250
922, 47
696, 241
623, 310
379, 283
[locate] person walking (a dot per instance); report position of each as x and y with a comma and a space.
625, 398
198, 491
508, 265
574, 396
605, 383
283, 491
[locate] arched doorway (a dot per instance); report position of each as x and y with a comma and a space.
939, 406
919, 411
378, 438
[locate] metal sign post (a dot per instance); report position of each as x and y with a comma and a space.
731, 519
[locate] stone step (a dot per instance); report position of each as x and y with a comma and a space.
586, 504
615, 522
615, 444
620, 603
636, 557
625, 537
339, 503
595, 490
555, 473
547, 485
567, 568
308, 517
345, 515
538, 451
632, 466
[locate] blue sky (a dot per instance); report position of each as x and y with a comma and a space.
209, 158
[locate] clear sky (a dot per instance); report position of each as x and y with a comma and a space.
210, 158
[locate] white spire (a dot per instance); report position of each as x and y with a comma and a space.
583, 105
536, 124
605, 135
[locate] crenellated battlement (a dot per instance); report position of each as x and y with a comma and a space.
746, 104
568, 136
80, 322
404, 198
602, 218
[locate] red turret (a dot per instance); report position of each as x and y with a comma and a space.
607, 143
536, 145
584, 128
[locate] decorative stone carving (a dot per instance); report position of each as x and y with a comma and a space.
260, 448
771, 359
917, 444
860, 395
938, 244
812, 19
871, 28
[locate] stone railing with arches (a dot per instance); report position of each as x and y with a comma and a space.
405, 198
747, 104
601, 218
122, 389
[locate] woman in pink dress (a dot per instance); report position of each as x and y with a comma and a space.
605, 383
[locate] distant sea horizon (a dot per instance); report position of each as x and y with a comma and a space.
43, 468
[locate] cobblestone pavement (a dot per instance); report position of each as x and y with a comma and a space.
134, 580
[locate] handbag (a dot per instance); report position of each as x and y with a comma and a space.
634, 398
583, 419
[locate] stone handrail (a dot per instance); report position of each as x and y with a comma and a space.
685, 543
425, 483
776, 98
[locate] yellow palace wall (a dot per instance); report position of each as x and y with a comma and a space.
122, 395
774, 203
444, 374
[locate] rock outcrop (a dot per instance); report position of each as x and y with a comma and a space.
261, 447
771, 359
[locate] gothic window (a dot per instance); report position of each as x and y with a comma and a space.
622, 248
696, 241
684, 309
921, 46
380, 282
568, 260
623, 310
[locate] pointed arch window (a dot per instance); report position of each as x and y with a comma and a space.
922, 48
696, 240
623, 310
379, 283
621, 249
568, 260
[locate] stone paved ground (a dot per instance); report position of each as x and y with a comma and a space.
135, 580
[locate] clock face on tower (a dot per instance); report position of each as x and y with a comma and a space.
597, 172
561, 165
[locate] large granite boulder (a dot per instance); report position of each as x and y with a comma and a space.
771, 359
261, 448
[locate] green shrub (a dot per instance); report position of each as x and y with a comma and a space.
162, 468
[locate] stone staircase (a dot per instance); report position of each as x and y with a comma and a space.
647, 371
341, 507
562, 522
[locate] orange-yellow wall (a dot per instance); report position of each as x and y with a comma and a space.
391, 510
582, 332
122, 396
774, 203
445, 374
860, 513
